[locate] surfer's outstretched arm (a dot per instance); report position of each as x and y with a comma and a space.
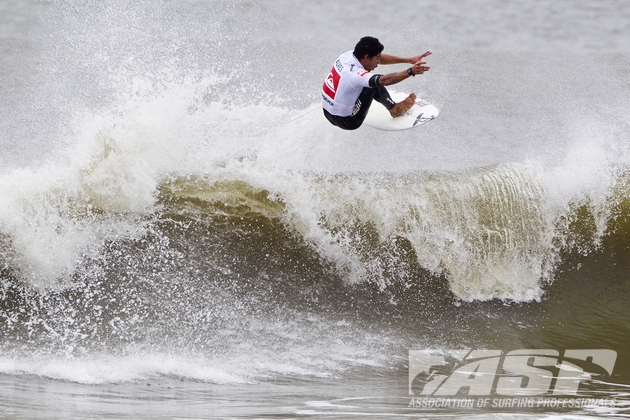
392, 59
393, 78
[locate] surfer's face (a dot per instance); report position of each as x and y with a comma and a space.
371, 63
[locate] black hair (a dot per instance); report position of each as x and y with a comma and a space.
368, 45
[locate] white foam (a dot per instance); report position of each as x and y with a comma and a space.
117, 369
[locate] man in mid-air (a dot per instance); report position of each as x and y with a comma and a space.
349, 89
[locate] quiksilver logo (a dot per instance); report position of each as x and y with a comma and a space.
515, 373
330, 82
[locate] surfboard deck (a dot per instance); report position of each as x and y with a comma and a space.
421, 113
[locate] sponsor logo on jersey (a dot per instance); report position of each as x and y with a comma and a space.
331, 83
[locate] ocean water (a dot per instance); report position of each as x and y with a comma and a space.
184, 235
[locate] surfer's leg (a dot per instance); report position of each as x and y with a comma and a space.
404, 106
382, 96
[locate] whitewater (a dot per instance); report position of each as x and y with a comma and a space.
183, 234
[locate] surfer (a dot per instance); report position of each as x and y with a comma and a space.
349, 88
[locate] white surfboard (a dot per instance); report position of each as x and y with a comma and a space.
422, 112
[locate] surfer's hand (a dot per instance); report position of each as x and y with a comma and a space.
419, 67
415, 59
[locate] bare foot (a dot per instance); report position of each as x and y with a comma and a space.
404, 106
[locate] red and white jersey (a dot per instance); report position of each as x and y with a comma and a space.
344, 84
